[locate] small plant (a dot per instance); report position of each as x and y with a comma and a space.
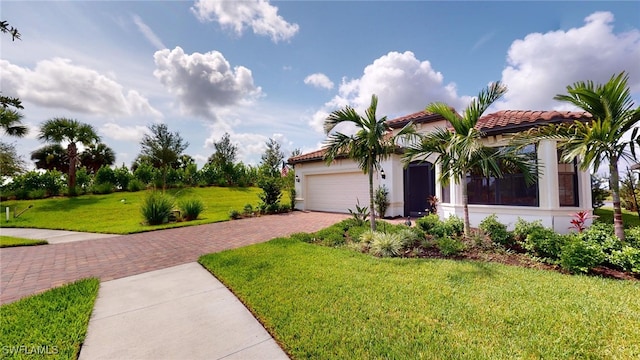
545, 243
292, 197
579, 256
102, 188
271, 194
366, 237
496, 230
627, 258
411, 237
386, 245
234, 214
361, 214
381, 200
135, 185
579, 220
331, 236
433, 204
523, 228
304, 237
191, 209
156, 208
247, 210
449, 245
426, 223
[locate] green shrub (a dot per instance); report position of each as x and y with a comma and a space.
105, 175
496, 230
601, 235
191, 208
627, 258
135, 185
411, 237
449, 246
234, 214
271, 194
523, 228
156, 208
331, 236
304, 237
102, 188
544, 242
454, 225
366, 236
579, 256
426, 223
386, 245
284, 208
381, 200
633, 237
247, 210
122, 177
37, 194
360, 214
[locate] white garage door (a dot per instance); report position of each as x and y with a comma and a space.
337, 192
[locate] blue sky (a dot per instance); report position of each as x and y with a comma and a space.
260, 70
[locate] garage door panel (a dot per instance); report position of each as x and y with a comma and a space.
337, 192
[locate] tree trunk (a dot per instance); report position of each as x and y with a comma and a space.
372, 215
465, 204
614, 185
72, 152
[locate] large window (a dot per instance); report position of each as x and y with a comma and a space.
568, 182
511, 189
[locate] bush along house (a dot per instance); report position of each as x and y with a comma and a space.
562, 189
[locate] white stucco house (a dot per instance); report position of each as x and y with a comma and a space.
562, 189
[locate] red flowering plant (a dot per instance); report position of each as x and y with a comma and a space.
580, 219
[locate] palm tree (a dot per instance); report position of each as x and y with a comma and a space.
97, 155
59, 130
370, 145
459, 149
11, 122
51, 157
603, 138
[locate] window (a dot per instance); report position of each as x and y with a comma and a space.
511, 189
567, 182
446, 194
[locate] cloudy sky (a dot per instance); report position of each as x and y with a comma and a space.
260, 69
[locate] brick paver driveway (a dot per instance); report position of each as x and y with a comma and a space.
33, 269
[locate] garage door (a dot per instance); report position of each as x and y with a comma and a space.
336, 192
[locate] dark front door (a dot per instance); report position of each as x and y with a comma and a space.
419, 184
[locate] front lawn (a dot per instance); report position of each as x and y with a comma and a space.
49, 325
320, 302
629, 218
10, 241
119, 213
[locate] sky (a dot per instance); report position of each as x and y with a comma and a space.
275, 69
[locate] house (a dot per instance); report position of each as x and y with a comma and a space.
562, 188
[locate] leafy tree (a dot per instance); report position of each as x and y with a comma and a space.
271, 159
224, 158
11, 164
50, 157
598, 193
459, 150
122, 176
11, 122
368, 146
162, 148
602, 140
96, 156
58, 130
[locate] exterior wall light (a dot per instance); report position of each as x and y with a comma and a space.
297, 178
382, 174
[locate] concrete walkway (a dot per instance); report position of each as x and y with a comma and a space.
180, 312
53, 236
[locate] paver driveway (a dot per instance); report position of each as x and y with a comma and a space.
29, 270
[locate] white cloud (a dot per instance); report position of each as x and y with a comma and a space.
124, 133
58, 83
319, 80
204, 82
259, 15
542, 65
403, 84
148, 33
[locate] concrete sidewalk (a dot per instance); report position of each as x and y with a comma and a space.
53, 236
182, 312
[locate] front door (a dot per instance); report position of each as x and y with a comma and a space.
419, 184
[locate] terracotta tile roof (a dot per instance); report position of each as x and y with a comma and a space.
419, 117
517, 120
312, 156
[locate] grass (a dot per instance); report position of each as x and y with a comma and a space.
330, 303
10, 241
629, 218
53, 324
109, 214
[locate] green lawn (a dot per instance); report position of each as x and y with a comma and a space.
50, 325
9, 241
119, 213
328, 303
630, 218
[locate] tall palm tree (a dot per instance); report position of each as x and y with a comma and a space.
603, 138
62, 130
11, 122
370, 145
51, 157
97, 155
459, 149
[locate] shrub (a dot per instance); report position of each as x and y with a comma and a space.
234, 214
105, 175
580, 256
271, 194
366, 236
628, 259
360, 214
304, 237
247, 210
381, 200
386, 245
496, 230
331, 236
135, 185
601, 235
426, 223
102, 188
122, 177
284, 208
523, 228
191, 208
37, 194
544, 242
633, 237
454, 225
411, 237
292, 197
449, 246
156, 208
